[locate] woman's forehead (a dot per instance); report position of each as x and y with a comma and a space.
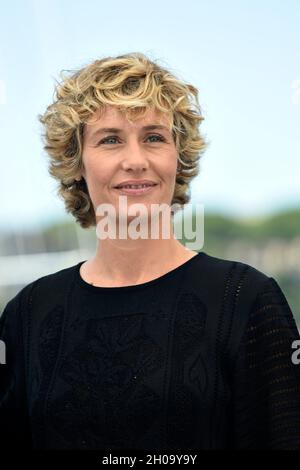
111, 116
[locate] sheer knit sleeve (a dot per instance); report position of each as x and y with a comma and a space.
266, 377
14, 429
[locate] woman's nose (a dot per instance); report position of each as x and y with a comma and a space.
135, 155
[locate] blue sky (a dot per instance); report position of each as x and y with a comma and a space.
243, 57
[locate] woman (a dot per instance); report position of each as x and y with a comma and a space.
147, 345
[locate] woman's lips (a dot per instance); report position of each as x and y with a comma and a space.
136, 192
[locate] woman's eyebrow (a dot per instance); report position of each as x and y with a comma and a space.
116, 130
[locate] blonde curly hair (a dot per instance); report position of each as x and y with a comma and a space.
134, 84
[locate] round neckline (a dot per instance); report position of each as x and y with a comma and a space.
131, 287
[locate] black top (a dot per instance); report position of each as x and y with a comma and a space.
199, 358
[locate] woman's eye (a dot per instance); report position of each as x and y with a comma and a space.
161, 139
106, 139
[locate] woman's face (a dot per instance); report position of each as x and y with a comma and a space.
128, 151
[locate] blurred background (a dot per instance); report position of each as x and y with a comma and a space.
245, 60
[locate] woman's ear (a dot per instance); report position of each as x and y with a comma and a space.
81, 176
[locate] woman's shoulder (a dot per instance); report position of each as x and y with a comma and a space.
239, 287
219, 271
231, 289
43, 291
